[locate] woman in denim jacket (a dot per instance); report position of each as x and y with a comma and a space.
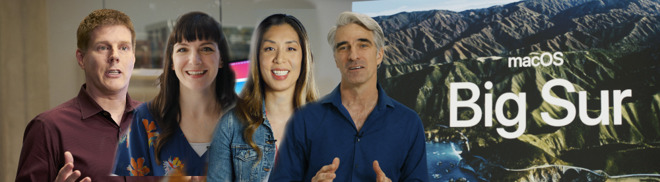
280, 81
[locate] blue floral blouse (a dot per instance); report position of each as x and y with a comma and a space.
136, 157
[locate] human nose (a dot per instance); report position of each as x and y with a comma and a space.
114, 55
195, 58
352, 53
277, 59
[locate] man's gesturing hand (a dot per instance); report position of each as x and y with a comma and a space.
327, 172
380, 175
66, 173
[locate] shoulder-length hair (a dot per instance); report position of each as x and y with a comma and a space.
166, 107
252, 95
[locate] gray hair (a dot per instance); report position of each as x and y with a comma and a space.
363, 20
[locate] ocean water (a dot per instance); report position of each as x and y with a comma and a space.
446, 164
448, 159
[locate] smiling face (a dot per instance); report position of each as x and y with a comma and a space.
356, 55
196, 63
108, 61
280, 58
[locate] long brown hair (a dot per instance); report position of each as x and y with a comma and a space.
249, 108
166, 107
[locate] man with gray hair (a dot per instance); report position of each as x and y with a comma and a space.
375, 137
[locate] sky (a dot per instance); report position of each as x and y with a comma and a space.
390, 7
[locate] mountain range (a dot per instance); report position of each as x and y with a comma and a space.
606, 45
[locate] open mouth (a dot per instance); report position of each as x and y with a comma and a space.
280, 72
355, 67
114, 72
195, 73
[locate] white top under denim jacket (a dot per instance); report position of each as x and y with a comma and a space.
232, 159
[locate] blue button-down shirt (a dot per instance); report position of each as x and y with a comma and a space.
392, 134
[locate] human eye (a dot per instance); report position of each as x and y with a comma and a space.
181, 50
342, 48
102, 48
292, 49
125, 48
207, 49
364, 45
268, 49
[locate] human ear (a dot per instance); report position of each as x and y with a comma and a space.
79, 57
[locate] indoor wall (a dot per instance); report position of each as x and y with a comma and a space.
38, 68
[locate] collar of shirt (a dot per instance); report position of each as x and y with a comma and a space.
334, 98
264, 113
89, 107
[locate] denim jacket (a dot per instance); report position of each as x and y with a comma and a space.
232, 159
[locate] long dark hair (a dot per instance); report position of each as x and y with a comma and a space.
252, 95
166, 107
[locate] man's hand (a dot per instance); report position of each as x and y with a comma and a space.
380, 175
327, 172
66, 173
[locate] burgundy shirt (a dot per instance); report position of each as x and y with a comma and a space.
80, 126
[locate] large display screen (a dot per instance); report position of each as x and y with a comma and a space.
536, 90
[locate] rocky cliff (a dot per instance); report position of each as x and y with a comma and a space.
607, 45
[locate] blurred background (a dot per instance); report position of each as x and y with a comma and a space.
38, 68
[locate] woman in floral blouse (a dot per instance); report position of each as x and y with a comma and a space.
169, 135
